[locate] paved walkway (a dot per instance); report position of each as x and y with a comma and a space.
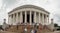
16, 32
6, 32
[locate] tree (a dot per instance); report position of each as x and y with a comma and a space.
55, 25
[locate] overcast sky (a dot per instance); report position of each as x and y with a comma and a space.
52, 6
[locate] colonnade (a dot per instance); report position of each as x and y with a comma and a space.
18, 17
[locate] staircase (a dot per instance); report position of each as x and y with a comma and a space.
41, 29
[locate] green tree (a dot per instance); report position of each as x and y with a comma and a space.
55, 25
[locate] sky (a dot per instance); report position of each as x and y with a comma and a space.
52, 6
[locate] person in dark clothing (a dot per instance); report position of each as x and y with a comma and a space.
35, 31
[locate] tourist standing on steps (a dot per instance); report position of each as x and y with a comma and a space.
32, 31
25, 30
35, 31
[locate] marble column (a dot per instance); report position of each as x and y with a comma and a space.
13, 18
39, 18
48, 18
43, 19
35, 17
25, 17
21, 17
30, 17
16, 17
9, 19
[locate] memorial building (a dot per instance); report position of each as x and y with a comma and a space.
28, 14
28, 18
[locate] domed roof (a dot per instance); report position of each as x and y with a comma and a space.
29, 6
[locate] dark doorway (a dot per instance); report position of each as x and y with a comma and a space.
28, 18
23, 18
32, 18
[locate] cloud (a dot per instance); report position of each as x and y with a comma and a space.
9, 2
53, 6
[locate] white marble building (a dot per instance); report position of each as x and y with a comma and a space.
28, 14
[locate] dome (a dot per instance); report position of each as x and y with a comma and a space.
29, 6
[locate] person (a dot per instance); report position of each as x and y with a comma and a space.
32, 31
35, 31
25, 30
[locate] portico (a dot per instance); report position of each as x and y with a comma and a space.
28, 14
